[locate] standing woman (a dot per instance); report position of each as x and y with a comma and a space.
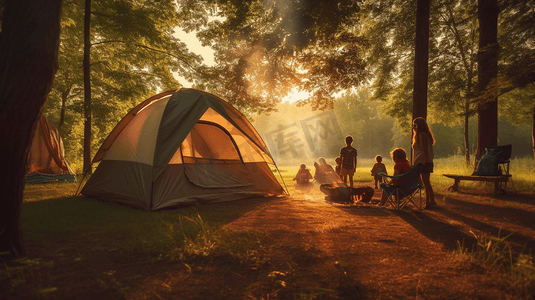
422, 153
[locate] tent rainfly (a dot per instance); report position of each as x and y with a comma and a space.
181, 148
46, 158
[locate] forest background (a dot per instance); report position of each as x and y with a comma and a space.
374, 132
356, 62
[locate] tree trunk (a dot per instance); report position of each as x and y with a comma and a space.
87, 88
64, 97
421, 58
487, 121
466, 136
29, 45
467, 100
533, 133
468, 68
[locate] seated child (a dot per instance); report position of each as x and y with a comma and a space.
401, 166
377, 168
303, 175
324, 172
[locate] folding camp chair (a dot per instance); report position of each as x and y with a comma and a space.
401, 195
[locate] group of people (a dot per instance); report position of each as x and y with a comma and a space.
346, 163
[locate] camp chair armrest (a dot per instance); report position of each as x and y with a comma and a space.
393, 176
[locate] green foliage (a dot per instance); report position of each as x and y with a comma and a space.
450, 138
516, 37
453, 48
518, 105
263, 50
452, 60
134, 54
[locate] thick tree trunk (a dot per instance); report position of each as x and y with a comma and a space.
421, 58
487, 121
87, 88
29, 44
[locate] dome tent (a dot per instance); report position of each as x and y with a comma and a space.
46, 158
182, 147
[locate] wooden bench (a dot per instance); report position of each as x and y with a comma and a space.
498, 181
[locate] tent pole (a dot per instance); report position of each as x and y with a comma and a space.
82, 180
282, 179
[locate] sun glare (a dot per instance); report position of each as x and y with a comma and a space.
296, 95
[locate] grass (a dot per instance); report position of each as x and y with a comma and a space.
155, 234
184, 235
45, 191
238, 247
51, 213
497, 252
522, 169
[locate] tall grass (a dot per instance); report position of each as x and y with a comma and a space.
202, 240
497, 252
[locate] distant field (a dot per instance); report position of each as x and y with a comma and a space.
523, 180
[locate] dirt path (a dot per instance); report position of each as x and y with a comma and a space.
317, 250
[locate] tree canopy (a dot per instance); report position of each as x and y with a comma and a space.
453, 90
265, 49
134, 54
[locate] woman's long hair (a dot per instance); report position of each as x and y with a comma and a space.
421, 126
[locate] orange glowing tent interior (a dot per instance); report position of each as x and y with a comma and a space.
181, 148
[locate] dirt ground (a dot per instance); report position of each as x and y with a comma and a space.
314, 249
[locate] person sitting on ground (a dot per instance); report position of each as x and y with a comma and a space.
303, 175
377, 168
401, 166
324, 172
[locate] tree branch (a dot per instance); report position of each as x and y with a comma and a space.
150, 49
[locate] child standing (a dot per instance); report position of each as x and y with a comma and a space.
378, 168
348, 157
337, 160
303, 175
